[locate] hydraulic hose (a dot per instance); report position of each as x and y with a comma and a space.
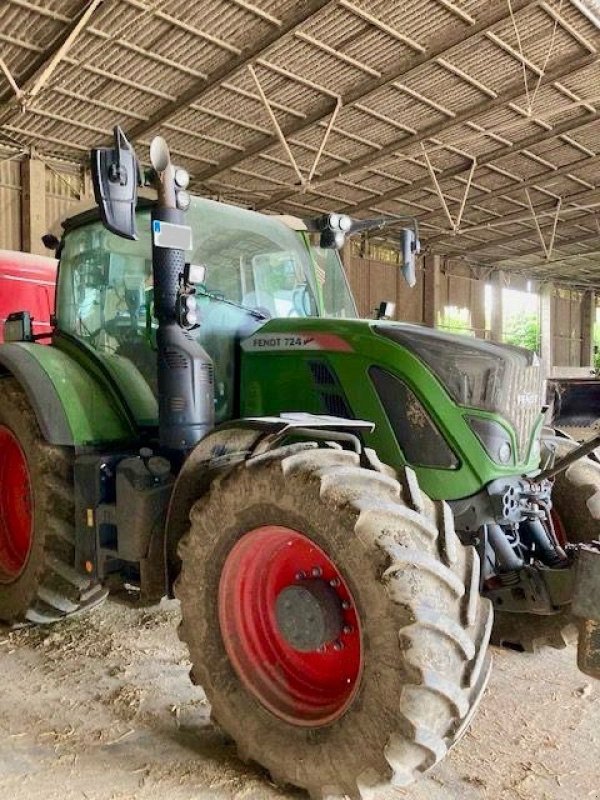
549, 553
508, 560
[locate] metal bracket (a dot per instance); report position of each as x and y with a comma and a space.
454, 223
525, 62
305, 182
305, 426
586, 596
550, 247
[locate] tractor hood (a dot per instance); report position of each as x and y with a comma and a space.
500, 379
461, 398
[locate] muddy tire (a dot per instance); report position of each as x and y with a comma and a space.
576, 500
38, 582
414, 590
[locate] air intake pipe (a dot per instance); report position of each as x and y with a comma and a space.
185, 370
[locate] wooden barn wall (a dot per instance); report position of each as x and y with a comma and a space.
63, 187
567, 313
10, 205
460, 289
63, 190
374, 281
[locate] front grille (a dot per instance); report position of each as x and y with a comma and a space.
329, 390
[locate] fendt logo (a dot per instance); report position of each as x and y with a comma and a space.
295, 341
528, 399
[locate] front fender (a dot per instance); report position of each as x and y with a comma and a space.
71, 407
221, 449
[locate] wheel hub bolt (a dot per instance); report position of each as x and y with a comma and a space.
346, 605
335, 582
348, 629
338, 646
316, 572
300, 576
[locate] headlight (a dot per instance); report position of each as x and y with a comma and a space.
494, 438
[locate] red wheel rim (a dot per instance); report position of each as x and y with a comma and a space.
16, 516
312, 686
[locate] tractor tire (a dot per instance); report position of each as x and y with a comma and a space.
38, 581
385, 700
576, 502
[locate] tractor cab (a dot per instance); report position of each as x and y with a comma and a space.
254, 268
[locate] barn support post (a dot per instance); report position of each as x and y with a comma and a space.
33, 206
588, 320
431, 290
547, 320
497, 307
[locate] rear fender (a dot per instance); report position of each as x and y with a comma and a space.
71, 407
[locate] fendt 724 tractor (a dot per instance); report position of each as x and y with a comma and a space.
339, 504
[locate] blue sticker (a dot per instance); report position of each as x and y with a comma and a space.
156, 226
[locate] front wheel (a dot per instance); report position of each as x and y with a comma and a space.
334, 621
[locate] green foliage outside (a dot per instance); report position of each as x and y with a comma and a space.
523, 330
455, 320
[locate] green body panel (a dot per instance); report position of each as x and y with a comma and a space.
122, 381
276, 377
93, 414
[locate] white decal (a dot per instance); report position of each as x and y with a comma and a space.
280, 341
528, 399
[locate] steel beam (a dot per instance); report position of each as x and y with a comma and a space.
204, 85
564, 243
368, 87
530, 183
45, 60
568, 126
585, 219
516, 91
573, 200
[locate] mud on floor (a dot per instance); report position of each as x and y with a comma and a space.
101, 708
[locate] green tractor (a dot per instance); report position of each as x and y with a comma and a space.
339, 504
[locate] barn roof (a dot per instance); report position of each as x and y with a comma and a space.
479, 117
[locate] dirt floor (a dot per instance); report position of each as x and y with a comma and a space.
101, 708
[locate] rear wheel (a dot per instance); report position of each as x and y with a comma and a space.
38, 582
575, 519
334, 621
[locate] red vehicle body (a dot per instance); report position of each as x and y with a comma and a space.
27, 283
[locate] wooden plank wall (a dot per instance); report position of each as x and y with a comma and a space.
63, 187
62, 195
10, 205
567, 311
372, 281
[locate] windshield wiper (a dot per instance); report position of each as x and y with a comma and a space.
222, 299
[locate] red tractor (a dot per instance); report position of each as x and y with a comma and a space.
27, 282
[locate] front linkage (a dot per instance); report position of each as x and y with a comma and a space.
534, 572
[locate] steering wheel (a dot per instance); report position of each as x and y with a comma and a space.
300, 302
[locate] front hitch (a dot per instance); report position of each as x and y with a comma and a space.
586, 607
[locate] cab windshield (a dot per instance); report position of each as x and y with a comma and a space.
251, 260
257, 268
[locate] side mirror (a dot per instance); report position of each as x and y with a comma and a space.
116, 176
411, 247
17, 327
